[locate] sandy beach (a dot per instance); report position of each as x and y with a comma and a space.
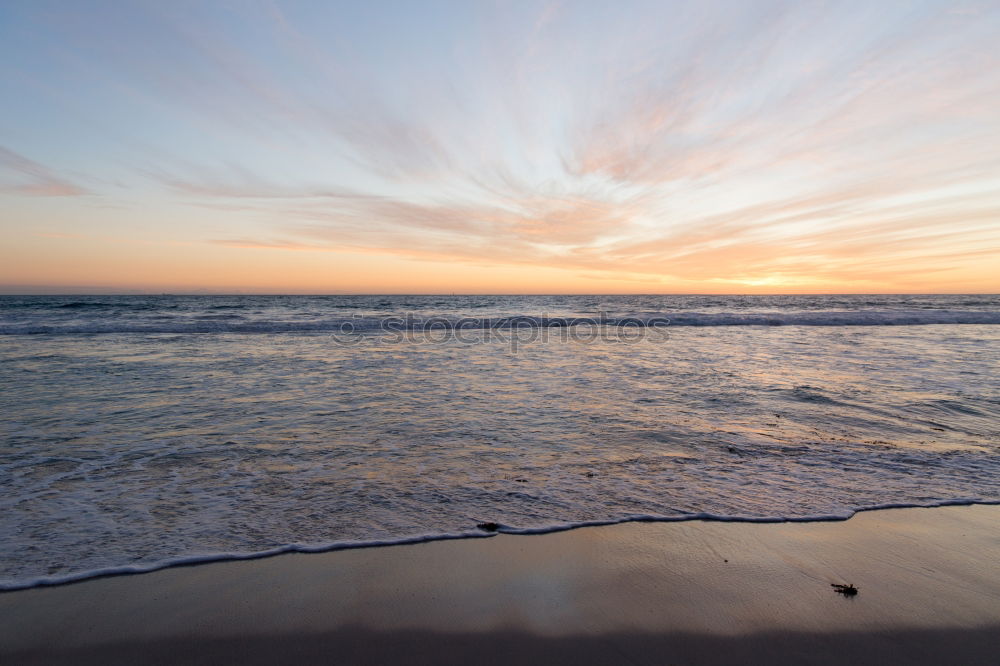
644, 593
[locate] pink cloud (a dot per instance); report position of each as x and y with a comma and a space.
19, 175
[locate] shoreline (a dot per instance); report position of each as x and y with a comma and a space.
478, 533
708, 591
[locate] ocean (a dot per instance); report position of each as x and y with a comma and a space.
144, 431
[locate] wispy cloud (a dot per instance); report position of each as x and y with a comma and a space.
20, 175
240, 183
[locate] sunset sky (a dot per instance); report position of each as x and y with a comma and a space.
501, 146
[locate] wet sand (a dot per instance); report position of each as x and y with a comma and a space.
643, 593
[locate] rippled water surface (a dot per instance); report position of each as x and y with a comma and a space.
140, 430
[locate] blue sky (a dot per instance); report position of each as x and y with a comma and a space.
500, 146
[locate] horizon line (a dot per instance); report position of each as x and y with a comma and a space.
457, 294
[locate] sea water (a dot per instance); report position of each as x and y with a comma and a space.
142, 431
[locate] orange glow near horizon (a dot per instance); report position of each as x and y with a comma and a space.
213, 269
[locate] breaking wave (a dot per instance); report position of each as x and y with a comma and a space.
234, 323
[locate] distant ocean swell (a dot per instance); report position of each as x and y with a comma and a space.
398, 325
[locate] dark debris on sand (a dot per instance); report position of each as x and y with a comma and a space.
847, 590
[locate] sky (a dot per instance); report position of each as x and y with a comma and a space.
499, 147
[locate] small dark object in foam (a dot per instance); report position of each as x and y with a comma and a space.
521, 480
846, 590
488, 527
